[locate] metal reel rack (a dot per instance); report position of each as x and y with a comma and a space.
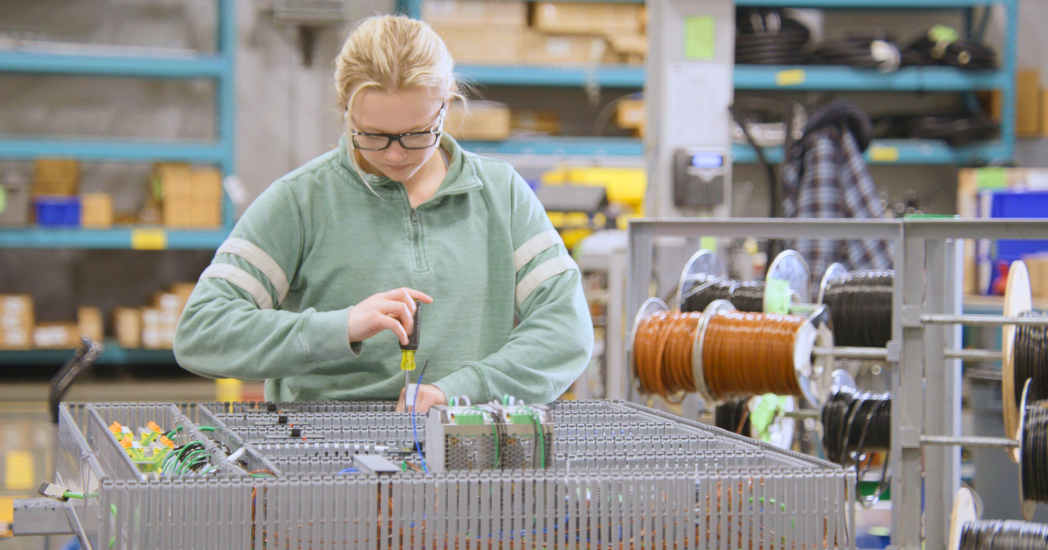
924, 351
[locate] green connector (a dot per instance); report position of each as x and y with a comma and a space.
522, 418
469, 419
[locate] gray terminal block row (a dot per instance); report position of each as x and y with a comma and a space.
350, 475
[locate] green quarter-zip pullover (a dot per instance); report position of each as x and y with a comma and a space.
274, 303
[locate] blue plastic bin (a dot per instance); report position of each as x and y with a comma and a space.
52, 211
1012, 204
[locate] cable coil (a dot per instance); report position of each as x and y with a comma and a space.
1003, 535
860, 303
1030, 355
1034, 450
744, 295
743, 353
854, 424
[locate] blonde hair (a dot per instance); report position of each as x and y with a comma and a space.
393, 53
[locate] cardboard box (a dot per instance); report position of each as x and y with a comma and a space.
630, 115
555, 49
16, 337
542, 121
127, 325
16, 311
1043, 128
629, 47
603, 19
475, 12
89, 322
183, 289
56, 177
483, 44
151, 328
1037, 265
1027, 102
485, 121
96, 210
56, 336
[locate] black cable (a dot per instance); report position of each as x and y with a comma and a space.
860, 304
1034, 450
733, 415
744, 295
1030, 357
767, 37
1003, 535
962, 54
872, 51
855, 423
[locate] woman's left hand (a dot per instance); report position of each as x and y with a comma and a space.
427, 397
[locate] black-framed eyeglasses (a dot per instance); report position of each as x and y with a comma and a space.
408, 140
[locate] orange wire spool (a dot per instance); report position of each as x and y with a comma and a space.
722, 353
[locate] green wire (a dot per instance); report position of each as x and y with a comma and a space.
494, 432
70, 494
206, 428
541, 436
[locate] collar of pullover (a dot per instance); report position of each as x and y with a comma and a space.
461, 176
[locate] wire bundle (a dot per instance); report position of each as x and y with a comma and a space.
1035, 452
743, 354
733, 415
962, 54
1030, 356
1003, 535
744, 295
766, 37
855, 423
861, 305
860, 50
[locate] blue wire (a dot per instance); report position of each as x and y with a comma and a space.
414, 429
349, 471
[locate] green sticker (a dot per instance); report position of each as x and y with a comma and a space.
763, 415
991, 178
700, 37
943, 34
776, 296
3, 199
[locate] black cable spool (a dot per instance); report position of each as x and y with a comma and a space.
744, 295
1003, 535
860, 50
767, 37
733, 415
860, 303
1030, 357
1034, 450
855, 423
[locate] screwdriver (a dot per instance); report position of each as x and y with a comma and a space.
407, 351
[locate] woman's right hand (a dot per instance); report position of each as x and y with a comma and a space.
393, 310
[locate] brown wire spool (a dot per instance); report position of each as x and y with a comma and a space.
723, 353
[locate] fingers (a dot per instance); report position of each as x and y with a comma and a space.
386, 322
399, 310
408, 296
400, 403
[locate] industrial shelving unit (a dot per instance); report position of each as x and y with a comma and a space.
784, 78
923, 355
217, 66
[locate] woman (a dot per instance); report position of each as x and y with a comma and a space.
317, 284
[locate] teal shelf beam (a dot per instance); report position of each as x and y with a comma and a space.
930, 79
204, 66
144, 238
102, 149
609, 76
884, 152
113, 355
750, 77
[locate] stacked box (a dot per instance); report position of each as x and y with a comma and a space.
89, 322
127, 325
56, 177
192, 197
96, 210
151, 328
485, 120
562, 27
479, 31
56, 336
16, 321
169, 307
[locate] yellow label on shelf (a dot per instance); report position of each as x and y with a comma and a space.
791, 77
18, 470
148, 239
880, 153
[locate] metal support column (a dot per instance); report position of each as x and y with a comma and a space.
615, 328
907, 400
